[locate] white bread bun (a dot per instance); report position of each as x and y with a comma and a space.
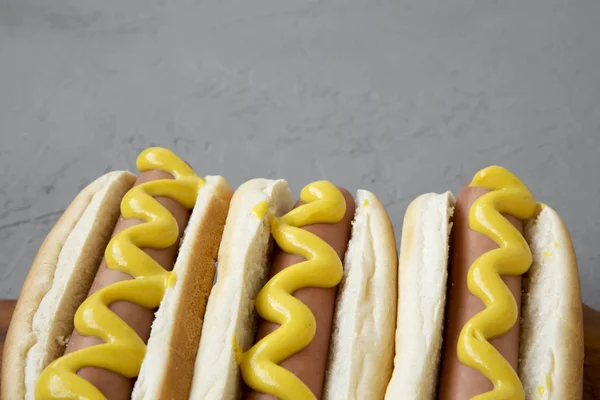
362, 342
551, 343
58, 281
423, 271
66, 264
243, 268
168, 367
551, 336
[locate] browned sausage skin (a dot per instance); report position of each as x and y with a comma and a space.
111, 384
457, 381
309, 364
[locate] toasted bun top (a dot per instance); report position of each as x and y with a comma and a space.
362, 342
58, 281
168, 367
421, 296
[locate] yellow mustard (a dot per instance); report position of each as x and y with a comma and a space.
324, 203
260, 209
541, 390
123, 350
513, 257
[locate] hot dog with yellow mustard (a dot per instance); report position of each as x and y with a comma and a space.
311, 319
100, 314
310, 301
114, 304
309, 364
489, 297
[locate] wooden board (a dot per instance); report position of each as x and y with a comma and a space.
6, 310
591, 320
591, 369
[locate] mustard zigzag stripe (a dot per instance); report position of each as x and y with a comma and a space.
513, 257
123, 350
275, 303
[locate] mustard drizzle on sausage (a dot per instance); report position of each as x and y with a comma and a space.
324, 203
123, 350
513, 257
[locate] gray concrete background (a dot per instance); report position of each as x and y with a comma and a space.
399, 97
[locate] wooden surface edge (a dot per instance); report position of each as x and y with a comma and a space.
591, 324
6, 310
591, 365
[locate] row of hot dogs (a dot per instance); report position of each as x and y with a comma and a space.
310, 300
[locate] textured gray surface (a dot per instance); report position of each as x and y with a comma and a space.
395, 96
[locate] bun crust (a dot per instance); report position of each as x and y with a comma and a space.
362, 342
168, 367
242, 271
58, 281
423, 273
551, 343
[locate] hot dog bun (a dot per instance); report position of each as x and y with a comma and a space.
551, 343
362, 342
308, 295
58, 281
66, 265
551, 338
178, 323
422, 276
243, 269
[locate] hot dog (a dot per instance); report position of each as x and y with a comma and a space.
326, 285
310, 300
104, 307
309, 363
111, 384
510, 311
467, 246
102, 316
